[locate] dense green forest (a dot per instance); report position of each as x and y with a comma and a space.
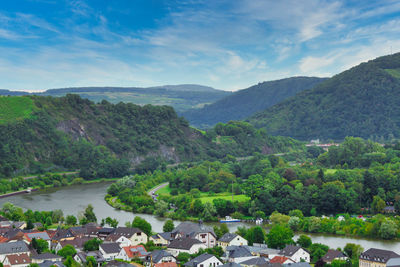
43, 134
244, 103
357, 177
362, 101
180, 97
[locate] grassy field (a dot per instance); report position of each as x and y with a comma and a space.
226, 196
164, 191
15, 108
330, 171
394, 72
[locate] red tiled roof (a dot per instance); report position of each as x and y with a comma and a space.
135, 251
166, 264
279, 259
19, 259
3, 239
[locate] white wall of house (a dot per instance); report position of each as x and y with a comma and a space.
207, 238
124, 242
194, 249
211, 262
241, 259
138, 238
108, 256
301, 254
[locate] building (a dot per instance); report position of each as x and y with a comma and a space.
158, 257
121, 240
281, 260
135, 235
198, 231
237, 254
188, 245
131, 252
259, 261
295, 253
161, 239
231, 239
333, 255
13, 248
374, 257
40, 258
80, 257
204, 260
109, 250
17, 260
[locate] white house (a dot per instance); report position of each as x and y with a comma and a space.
198, 231
123, 241
231, 239
158, 256
13, 248
17, 260
109, 250
188, 245
135, 235
238, 254
131, 252
295, 253
204, 260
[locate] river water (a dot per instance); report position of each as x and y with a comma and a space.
74, 199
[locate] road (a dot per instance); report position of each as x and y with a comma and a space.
155, 189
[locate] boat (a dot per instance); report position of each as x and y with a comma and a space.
229, 219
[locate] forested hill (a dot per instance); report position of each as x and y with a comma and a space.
39, 133
362, 101
246, 102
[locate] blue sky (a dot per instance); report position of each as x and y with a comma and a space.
227, 44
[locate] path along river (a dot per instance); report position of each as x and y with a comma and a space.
74, 199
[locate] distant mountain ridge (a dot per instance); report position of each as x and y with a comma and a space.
243, 103
362, 101
181, 97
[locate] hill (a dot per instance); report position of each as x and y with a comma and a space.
244, 103
362, 101
39, 134
180, 97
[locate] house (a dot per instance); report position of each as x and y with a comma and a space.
297, 264
374, 257
333, 255
389, 209
104, 232
158, 256
255, 262
135, 235
166, 264
188, 245
19, 225
17, 260
77, 243
281, 260
231, 239
37, 235
237, 254
231, 264
80, 257
131, 252
161, 239
120, 239
263, 251
63, 234
198, 231
119, 264
295, 253
109, 250
40, 258
204, 260
13, 248
52, 264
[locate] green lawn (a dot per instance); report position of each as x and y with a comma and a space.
330, 171
164, 191
15, 108
226, 196
394, 72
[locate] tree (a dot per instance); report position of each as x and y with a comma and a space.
378, 204
69, 262
294, 223
67, 251
92, 244
353, 251
40, 245
161, 208
49, 221
142, 224
279, 236
168, 226
221, 230
388, 229
258, 235
91, 261
296, 213
183, 257
71, 220
112, 222
304, 241
89, 214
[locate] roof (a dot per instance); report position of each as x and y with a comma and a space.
199, 259
46, 256
77, 242
127, 231
184, 243
157, 255
51, 263
13, 247
166, 236
119, 264
166, 264
230, 264
17, 259
332, 254
378, 255
255, 261
297, 264
37, 235
238, 252
289, 250
190, 229
279, 259
135, 251
393, 262
96, 254
228, 237
110, 248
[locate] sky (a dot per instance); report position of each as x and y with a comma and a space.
226, 44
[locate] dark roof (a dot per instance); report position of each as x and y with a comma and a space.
289, 250
297, 264
77, 242
378, 255
96, 254
119, 264
166, 236
332, 254
230, 264
106, 230
13, 247
255, 261
184, 243
238, 252
199, 259
190, 229
126, 231
157, 255
228, 237
111, 247
46, 256
51, 263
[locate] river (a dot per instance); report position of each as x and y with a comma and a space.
74, 199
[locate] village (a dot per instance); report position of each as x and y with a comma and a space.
95, 245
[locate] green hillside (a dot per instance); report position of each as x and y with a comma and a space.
246, 102
15, 108
110, 140
362, 101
